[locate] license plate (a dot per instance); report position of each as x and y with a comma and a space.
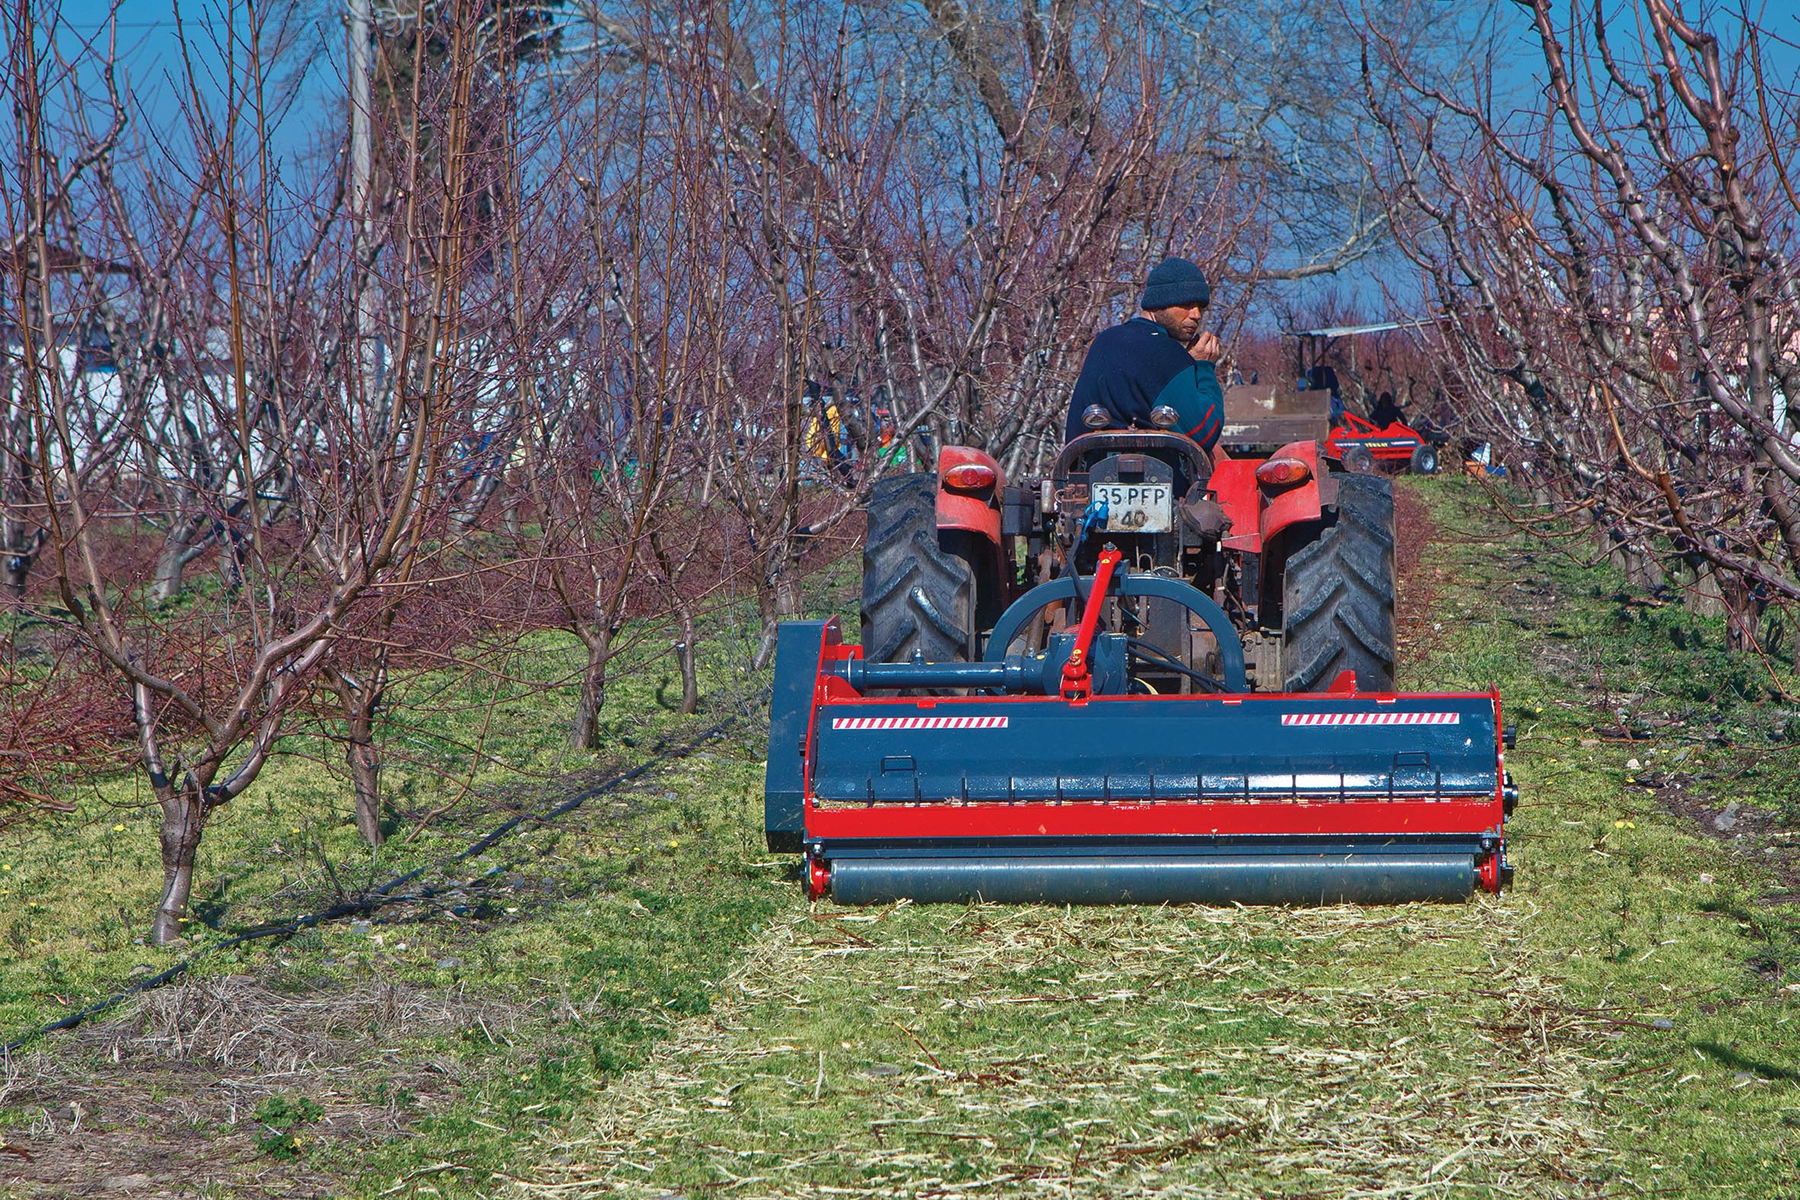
1136, 507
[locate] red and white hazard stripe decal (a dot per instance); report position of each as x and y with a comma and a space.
1393, 718
918, 722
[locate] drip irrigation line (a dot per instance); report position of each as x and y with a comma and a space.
375, 898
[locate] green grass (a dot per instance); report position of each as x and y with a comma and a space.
1635, 913
290, 843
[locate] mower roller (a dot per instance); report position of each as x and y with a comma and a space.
1188, 698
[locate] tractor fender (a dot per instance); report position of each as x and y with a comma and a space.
971, 512
1260, 513
1234, 483
1298, 503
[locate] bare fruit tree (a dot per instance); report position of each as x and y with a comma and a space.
1616, 270
941, 204
320, 496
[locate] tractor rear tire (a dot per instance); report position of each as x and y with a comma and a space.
918, 592
1338, 596
1358, 460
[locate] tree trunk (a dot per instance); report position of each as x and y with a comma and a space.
1643, 571
1743, 613
170, 564
184, 817
684, 654
765, 649
684, 612
365, 776
584, 731
780, 603
19, 551
509, 516
1705, 598
358, 703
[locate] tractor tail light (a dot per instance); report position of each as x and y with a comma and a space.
1283, 472
969, 477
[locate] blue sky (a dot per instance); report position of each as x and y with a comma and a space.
310, 73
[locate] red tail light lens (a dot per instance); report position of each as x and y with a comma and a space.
1283, 472
969, 477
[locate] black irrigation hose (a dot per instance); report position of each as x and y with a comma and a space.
371, 900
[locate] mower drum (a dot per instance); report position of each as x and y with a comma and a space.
1039, 786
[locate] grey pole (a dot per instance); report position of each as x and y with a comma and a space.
361, 172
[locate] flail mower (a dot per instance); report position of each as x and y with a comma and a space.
1150, 676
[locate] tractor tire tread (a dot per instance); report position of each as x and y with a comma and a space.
1338, 596
917, 594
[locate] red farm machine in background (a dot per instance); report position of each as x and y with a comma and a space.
1381, 441
1151, 675
1362, 445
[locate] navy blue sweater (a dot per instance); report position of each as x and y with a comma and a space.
1134, 367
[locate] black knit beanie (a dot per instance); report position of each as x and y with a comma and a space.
1175, 281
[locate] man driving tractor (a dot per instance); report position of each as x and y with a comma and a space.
1160, 357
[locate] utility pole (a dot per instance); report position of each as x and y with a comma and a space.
365, 763
362, 163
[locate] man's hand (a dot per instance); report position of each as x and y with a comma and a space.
1205, 348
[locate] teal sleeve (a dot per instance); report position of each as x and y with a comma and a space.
1195, 394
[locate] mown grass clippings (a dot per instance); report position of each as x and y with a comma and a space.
1108, 1051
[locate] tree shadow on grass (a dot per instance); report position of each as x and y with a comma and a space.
1741, 1062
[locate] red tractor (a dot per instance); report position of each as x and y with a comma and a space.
1293, 565
1151, 675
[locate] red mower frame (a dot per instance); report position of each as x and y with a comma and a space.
1391, 446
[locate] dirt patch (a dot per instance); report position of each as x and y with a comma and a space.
1759, 837
1416, 587
163, 1100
